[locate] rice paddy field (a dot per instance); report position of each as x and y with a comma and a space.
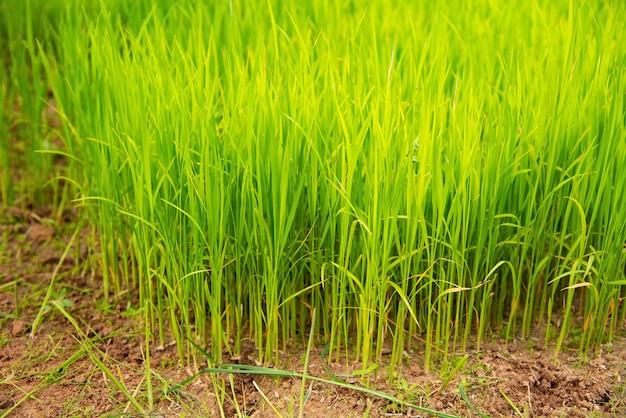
377, 184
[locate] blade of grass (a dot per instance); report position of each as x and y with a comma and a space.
55, 272
305, 368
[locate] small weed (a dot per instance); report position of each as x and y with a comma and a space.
413, 393
4, 338
60, 298
479, 368
131, 311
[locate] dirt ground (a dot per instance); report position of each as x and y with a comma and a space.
61, 372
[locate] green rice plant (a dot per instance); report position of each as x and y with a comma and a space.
6, 190
416, 174
25, 79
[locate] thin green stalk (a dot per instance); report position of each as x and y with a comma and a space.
303, 395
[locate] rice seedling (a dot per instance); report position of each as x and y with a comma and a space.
5, 162
420, 175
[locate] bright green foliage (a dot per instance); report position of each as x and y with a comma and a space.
438, 170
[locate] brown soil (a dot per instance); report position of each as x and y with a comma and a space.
55, 373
